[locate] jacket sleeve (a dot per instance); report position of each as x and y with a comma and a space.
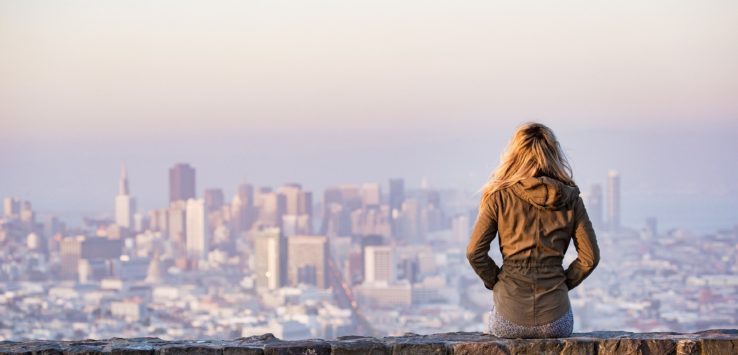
484, 231
585, 242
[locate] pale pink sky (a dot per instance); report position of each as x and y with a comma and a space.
90, 68
327, 92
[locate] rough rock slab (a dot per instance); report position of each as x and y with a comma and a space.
713, 341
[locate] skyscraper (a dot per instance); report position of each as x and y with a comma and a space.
291, 192
214, 199
306, 203
243, 210
307, 260
396, 198
269, 256
613, 200
176, 219
272, 206
125, 205
298, 209
338, 203
70, 250
379, 264
246, 194
11, 206
396, 193
197, 231
181, 182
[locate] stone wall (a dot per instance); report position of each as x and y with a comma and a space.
716, 341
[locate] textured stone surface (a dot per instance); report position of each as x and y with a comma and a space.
714, 341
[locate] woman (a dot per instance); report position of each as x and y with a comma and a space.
533, 203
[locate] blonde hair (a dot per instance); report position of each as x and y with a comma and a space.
533, 151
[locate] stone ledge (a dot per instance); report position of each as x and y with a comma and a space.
714, 341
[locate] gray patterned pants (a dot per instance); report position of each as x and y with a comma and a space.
503, 328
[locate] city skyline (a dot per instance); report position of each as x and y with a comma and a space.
75, 217
324, 93
257, 260
198, 169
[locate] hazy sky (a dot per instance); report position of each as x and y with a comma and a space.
325, 92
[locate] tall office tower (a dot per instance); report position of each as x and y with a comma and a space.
396, 198
271, 210
246, 194
338, 203
307, 260
594, 205
269, 258
197, 230
336, 221
11, 206
181, 182
243, 208
396, 193
379, 264
371, 194
177, 224
613, 199
260, 193
410, 221
27, 215
291, 192
214, 199
70, 250
332, 205
125, 204
242, 215
298, 207
305, 206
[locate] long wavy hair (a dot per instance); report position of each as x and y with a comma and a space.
533, 151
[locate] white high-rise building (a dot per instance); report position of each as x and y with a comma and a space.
379, 264
196, 229
125, 204
11, 206
269, 258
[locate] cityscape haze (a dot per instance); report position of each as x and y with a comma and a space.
312, 169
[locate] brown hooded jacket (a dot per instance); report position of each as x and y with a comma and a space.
535, 218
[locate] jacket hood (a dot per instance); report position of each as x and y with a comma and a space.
545, 192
